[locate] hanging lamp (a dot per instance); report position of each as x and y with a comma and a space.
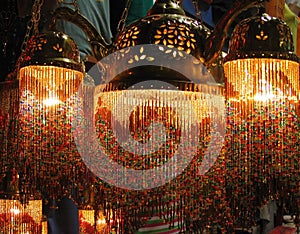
51, 69
17, 215
262, 96
151, 82
50, 75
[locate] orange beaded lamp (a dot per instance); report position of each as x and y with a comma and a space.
262, 92
51, 69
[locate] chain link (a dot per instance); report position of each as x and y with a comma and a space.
198, 12
36, 15
32, 29
121, 23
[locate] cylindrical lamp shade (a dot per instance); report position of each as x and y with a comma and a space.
262, 95
47, 148
51, 69
51, 85
253, 83
87, 221
152, 127
19, 218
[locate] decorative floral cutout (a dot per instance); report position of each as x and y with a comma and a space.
140, 56
129, 37
175, 35
36, 44
58, 48
262, 36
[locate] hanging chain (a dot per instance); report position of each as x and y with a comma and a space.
121, 24
33, 24
32, 29
36, 15
198, 12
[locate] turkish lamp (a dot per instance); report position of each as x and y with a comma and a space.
51, 69
17, 216
262, 98
261, 66
86, 220
20, 218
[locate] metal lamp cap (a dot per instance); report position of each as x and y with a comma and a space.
261, 36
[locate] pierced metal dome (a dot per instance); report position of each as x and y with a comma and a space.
262, 36
166, 24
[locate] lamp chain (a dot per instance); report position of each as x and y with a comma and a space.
121, 24
198, 12
36, 15
32, 29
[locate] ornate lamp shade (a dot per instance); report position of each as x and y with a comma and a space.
154, 118
261, 64
166, 24
50, 76
51, 69
20, 218
262, 92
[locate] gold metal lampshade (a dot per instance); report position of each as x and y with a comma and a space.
51, 69
167, 24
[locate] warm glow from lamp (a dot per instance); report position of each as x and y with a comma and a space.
261, 81
18, 218
262, 97
45, 227
51, 70
15, 211
49, 84
51, 101
86, 221
101, 224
